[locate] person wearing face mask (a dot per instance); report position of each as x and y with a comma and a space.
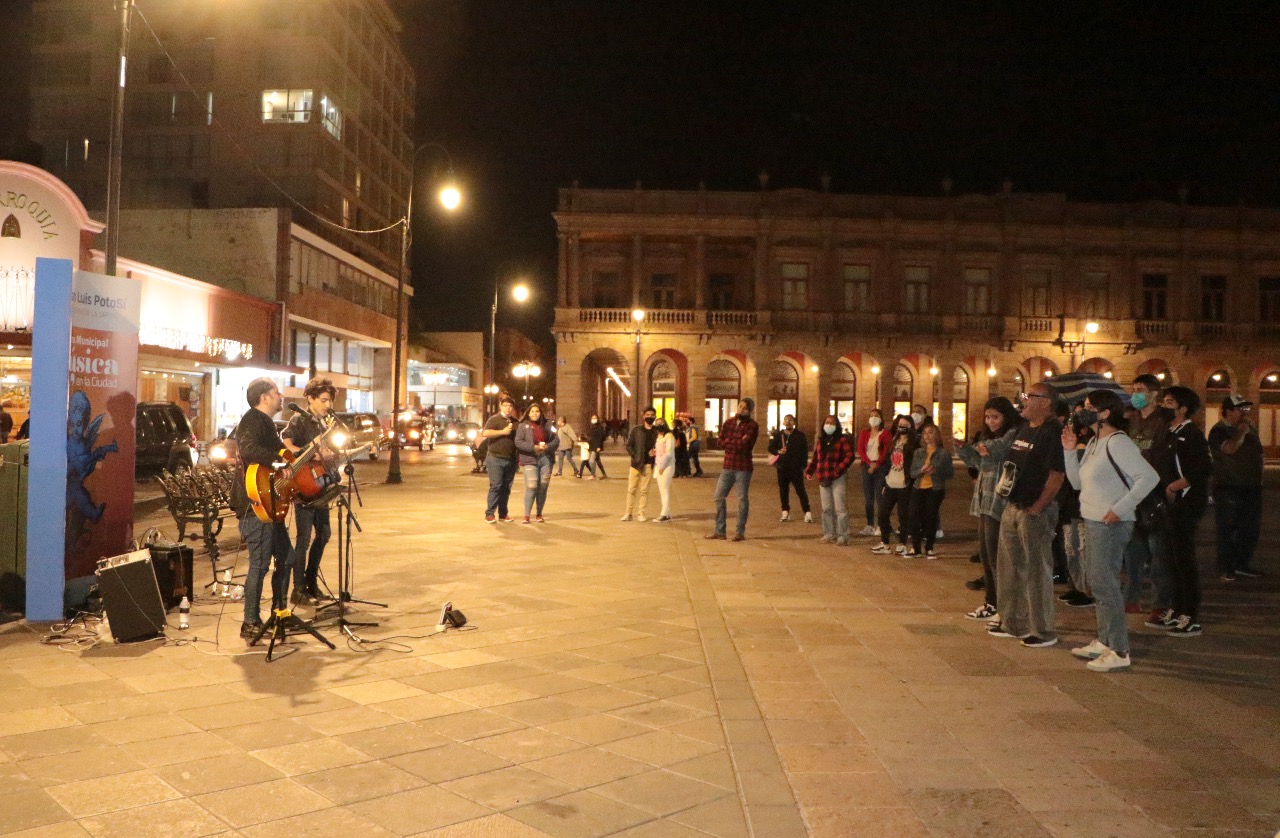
873, 449
1147, 555
1112, 478
595, 441
832, 457
790, 449
738, 438
694, 436
920, 418
664, 467
642, 444
896, 472
682, 449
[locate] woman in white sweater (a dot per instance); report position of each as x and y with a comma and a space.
664, 467
1113, 478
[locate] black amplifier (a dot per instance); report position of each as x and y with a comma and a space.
173, 564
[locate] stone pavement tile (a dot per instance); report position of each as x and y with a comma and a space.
561, 662
899, 822
79, 765
113, 793
793, 732
988, 812
180, 748
35, 719
374, 692
45, 743
604, 698
1036, 796
723, 818
707, 729
1262, 797
1130, 774
142, 728
307, 757
249, 805
460, 659
660, 748
1085, 823
550, 683
158, 820
580, 815
1195, 810
419, 810
508, 788
661, 792
425, 706
662, 828
493, 826
596, 729
365, 781
267, 734
846, 789
779, 821
68, 829
938, 773
294, 705
448, 762
166, 680
490, 695
829, 758
660, 714
395, 739
348, 720
217, 718
526, 745
335, 821
21, 810
587, 768
655, 686
208, 774
1203, 761
472, 724
16, 697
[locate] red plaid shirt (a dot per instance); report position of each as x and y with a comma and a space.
829, 464
738, 438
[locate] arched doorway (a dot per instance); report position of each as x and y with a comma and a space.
605, 388
1158, 368
903, 385
784, 393
664, 384
1100, 366
724, 389
1217, 386
844, 390
1035, 370
959, 403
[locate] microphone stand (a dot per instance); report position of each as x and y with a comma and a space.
347, 524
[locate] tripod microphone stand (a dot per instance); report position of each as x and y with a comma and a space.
347, 525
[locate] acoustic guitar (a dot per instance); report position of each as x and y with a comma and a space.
271, 488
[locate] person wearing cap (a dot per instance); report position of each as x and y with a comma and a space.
738, 438
1237, 488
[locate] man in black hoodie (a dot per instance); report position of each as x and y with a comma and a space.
642, 442
791, 447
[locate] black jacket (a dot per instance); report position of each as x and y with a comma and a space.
257, 442
1185, 453
797, 456
640, 442
597, 436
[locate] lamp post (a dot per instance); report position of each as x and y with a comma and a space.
638, 316
450, 198
526, 370
519, 293
490, 395
115, 154
875, 370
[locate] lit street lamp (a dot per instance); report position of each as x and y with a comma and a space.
526, 370
450, 198
519, 293
636, 385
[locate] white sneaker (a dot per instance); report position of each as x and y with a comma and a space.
827, 539
867, 530
641, 517
881, 548
939, 533
808, 517
1095, 649
1108, 662
931, 555
626, 517
786, 516
901, 548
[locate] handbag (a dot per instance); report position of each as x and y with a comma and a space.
1152, 509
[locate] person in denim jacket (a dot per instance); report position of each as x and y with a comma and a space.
986, 454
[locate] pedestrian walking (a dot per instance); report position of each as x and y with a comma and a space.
896, 491
1112, 478
664, 467
642, 444
536, 441
832, 457
596, 438
931, 468
873, 450
500, 460
738, 438
1237, 488
695, 446
789, 450
986, 454
682, 448
566, 447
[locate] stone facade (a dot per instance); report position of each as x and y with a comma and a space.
806, 298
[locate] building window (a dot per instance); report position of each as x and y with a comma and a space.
795, 286
915, 289
1155, 296
1269, 299
331, 117
1035, 293
662, 290
720, 288
857, 287
1097, 286
604, 289
286, 106
1213, 298
977, 290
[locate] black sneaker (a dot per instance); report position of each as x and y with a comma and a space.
1034, 642
250, 630
997, 630
1248, 572
1061, 579
976, 584
1068, 595
1185, 627
1227, 577
1079, 599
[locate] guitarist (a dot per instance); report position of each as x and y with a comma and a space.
302, 429
259, 443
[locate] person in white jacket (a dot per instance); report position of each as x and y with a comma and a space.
1113, 478
664, 467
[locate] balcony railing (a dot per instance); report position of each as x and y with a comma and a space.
737, 319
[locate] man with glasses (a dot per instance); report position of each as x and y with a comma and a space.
1237, 488
1032, 473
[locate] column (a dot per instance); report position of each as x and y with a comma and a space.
946, 397
700, 273
821, 395
575, 271
637, 270
886, 388
562, 274
761, 284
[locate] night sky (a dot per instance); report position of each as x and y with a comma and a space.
1123, 101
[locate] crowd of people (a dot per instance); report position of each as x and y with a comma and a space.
1102, 495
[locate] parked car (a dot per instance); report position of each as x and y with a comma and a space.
163, 438
362, 429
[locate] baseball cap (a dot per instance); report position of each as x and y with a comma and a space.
1235, 401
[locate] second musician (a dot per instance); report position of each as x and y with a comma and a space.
313, 524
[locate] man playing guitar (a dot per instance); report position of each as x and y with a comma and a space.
302, 429
260, 444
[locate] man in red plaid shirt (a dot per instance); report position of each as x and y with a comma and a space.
738, 439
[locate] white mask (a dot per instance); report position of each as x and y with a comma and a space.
874, 421
830, 429
917, 418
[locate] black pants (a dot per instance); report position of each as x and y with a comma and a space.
1180, 537
595, 456
925, 504
308, 550
787, 479
890, 498
693, 460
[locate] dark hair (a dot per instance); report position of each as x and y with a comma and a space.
542, 414
1109, 400
507, 400
1010, 418
826, 440
1185, 397
1149, 381
318, 386
258, 388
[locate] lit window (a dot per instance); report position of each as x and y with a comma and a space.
286, 106
332, 117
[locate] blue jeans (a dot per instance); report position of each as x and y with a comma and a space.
835, 508
1104, 549
728, 479
501, 474
537, 478
1148, 548
264, 543
1237, 511
306, 562
563, 454
871, 485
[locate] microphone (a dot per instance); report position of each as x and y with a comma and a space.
297, 409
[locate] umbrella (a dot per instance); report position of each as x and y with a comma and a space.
1072, 387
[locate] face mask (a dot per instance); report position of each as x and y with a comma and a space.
662, 428
1138, 400
1087, 418
830, 429
648, 420
917, 418
874, 421
903, 429
593, 421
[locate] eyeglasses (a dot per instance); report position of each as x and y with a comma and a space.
1026, 396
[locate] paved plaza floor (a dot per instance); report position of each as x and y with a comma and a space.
634, 679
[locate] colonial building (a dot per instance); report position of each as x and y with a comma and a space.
812, 302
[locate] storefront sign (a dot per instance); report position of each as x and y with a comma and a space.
183, 341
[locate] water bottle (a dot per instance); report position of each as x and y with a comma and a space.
226, 582
184, 614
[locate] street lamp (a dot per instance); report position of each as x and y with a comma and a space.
638, 316
519, 293
115, 153
450, 198
490, 395
526, 370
